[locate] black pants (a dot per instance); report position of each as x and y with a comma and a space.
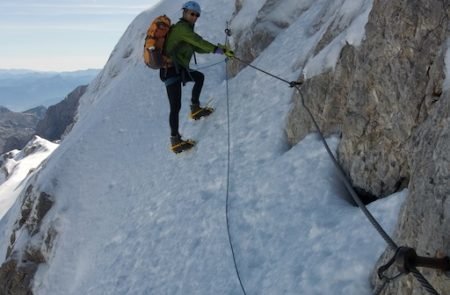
174, 83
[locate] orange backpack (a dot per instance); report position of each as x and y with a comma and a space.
154, 43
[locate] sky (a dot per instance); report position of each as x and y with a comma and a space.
63, 35
133, 218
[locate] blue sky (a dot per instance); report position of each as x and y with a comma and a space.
63, 35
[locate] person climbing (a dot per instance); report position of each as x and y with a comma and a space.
180, 44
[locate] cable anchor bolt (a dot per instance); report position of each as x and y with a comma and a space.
406, 259
295, 83
299, 82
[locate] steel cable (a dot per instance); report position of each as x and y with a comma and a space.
422, 280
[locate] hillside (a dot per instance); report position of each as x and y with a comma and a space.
16, 129
113, 211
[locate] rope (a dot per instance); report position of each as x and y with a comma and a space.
422, 280
227, 210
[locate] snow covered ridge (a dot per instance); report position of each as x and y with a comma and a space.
322, 28
18, 199
17, 166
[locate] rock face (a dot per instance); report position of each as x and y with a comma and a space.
39, 112
60, 117
25, 254
387, 101
16, 129
425, 220
380, 92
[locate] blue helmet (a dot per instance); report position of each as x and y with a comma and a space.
192, 5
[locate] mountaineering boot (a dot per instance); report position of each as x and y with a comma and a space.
197, 112
178, 145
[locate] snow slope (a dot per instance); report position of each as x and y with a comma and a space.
17, 168
133, 218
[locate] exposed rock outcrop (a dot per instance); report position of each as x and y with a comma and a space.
16, 129
380, 92
386, 99
39, 112
60, 117
425, 220
29, 245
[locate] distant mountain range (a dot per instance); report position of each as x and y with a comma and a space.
17, 128
21, 90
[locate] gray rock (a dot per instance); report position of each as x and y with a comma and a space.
21, 263
60, 117
379, 93
16, 129
425, 221
386, 99
39, 112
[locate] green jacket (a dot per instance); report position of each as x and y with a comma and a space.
182, 42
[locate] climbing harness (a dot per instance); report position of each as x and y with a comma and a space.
227, 207
202, 67
404, 256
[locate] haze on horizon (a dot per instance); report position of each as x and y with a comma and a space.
65, 35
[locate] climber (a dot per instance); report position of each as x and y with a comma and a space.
180, 45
